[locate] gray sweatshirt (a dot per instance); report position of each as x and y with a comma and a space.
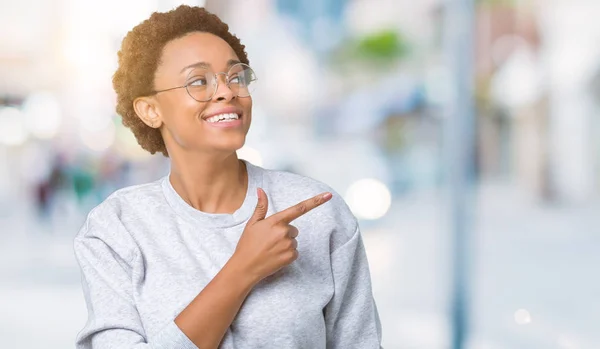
144, 254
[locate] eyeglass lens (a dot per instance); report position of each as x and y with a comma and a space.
203, 83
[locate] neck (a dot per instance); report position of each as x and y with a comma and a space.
208, 183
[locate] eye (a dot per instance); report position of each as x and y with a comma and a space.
234, 80
198, 82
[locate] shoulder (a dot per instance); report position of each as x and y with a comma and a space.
126, 202
129, 202
105, 222
135, 197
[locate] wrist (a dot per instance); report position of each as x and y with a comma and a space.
237, 271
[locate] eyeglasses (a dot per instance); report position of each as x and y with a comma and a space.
203, 83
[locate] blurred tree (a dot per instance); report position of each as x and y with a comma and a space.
378, 49
385, 45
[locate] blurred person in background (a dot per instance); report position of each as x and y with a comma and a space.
206, 256
50, 186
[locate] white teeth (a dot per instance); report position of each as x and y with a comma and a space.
221, 117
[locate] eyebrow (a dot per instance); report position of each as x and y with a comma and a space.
207, 65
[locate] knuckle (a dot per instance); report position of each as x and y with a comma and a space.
291, 245
280, 232
284, 258
289, 256
301, 208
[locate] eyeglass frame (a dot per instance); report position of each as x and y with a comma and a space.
216, 88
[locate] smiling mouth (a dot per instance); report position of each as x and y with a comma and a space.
224, 117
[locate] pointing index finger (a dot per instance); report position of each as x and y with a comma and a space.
289, 214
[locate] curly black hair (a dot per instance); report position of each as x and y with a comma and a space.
140, 55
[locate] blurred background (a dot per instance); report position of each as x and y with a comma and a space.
357, 94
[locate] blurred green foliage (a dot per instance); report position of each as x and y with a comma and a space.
384, 45
381, 47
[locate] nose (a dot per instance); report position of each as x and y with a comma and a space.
223, 92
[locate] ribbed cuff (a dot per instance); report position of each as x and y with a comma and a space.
172, 337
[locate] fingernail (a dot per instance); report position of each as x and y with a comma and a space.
327, 196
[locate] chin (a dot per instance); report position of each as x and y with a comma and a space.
231, 146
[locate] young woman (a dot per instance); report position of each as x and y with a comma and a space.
207, 257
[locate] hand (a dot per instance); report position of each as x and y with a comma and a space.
267, 245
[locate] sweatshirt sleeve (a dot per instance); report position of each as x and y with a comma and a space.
113, 320
351, 316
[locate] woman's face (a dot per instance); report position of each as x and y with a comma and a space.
183, 119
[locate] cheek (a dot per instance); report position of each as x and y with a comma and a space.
182, 111
246, 104
180, 115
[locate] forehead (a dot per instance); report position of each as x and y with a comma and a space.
196, 47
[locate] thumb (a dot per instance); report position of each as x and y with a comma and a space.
261, 206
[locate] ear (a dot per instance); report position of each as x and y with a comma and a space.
147, 110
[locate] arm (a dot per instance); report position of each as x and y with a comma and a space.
206, 319
351, 317
113, 319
